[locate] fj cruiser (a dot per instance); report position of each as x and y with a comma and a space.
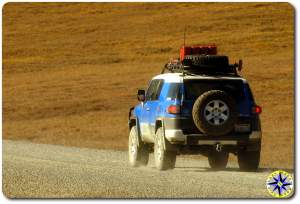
202, 106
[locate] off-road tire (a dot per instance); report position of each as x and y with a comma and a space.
164, 159
138, 152
249, 160
218, 160
199, 110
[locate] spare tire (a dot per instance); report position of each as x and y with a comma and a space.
215, 113
211, 61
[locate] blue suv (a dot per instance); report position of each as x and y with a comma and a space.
185, 112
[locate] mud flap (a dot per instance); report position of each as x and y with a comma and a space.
167, 145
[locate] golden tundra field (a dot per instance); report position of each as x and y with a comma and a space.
71, 70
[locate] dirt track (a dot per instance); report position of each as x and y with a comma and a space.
37, 170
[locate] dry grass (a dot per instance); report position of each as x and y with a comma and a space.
71, 70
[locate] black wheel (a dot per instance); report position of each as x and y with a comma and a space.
163, 159
138, 152
218, 160
248, 160
215, 113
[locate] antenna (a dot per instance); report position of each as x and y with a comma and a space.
184, 35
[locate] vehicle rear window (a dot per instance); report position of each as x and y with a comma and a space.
195, 88
173, 92
154, 89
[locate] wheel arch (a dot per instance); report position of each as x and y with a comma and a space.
135, 122
159, 123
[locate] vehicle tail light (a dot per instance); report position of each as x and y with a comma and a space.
256, 109
173, 109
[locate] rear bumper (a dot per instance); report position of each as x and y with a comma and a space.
177, 137
183, 131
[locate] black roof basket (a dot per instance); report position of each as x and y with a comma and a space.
188, 67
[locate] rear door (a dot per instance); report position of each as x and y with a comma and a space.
194, 88
149, 109
144, 120
153, 105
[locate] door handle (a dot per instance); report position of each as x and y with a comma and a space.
147, 109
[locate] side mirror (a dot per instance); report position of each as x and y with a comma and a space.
240, 65
141, 95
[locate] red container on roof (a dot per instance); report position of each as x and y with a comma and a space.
212, 49
197, 50
185, 50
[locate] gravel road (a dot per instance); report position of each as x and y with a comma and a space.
50, 171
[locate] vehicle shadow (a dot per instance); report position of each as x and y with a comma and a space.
230, 169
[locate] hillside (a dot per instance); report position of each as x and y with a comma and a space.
71, 70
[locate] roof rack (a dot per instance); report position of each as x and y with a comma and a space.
174, 66
187, 68
202, 60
